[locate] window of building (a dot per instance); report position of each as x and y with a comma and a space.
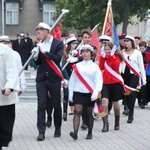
12, 13
48, 13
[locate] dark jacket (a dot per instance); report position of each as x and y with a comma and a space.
55, 55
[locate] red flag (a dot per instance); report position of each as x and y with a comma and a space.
95, 42
109, 27
57, 32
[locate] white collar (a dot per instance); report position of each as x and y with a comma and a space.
86, 62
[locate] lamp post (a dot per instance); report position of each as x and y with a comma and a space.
2, 17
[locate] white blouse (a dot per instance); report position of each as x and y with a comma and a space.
92, 75
137, 60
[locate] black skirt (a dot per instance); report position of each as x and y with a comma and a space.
113, 92
83, 99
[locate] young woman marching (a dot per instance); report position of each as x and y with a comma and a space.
112, 91
70, 51
84, 85
132, 72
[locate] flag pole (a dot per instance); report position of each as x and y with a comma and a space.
106, 16
64, 11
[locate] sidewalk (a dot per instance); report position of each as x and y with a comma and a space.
135, 136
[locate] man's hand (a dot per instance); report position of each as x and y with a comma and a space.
42, 48
7, 91
36, 51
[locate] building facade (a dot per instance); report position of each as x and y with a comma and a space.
24, 15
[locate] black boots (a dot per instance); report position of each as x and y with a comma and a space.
74, 135
65, 116
105, 124
130, 117
117, 119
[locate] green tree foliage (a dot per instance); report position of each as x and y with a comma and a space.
88, 13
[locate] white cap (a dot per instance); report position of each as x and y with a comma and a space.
21, 34
44, 26
104, 38
4, 38
128, 37
87, 47
71, 40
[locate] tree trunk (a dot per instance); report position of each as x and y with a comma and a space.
126, 16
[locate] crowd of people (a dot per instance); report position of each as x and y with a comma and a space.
123, 73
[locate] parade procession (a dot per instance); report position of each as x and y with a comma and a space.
71, 79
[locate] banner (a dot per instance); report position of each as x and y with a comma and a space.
109, 27
57, 32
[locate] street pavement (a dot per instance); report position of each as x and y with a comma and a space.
135, 136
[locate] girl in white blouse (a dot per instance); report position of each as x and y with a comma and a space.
79, 92
132, 70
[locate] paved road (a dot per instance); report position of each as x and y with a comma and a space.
135, 136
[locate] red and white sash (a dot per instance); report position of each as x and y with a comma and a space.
54, 67
118, 78
97, 107
131, 66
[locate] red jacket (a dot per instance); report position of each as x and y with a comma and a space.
147, 56
113, 62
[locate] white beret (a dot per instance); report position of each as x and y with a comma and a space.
4, 38
44, 26
71, 40
128, 37
104, 38
87, 47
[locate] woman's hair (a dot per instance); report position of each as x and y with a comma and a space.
117, 52
65, 55
93, 55
133, 45
110, 44
143, 43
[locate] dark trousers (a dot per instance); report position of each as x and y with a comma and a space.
141, 95
132, 81
65, 101
7, 118
42, 90
49, 108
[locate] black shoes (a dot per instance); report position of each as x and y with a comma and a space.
130, 118
142, 106
84, 126
41, 137
125, 112
48, 123
73, 135
65, 116
89, 136
57, 133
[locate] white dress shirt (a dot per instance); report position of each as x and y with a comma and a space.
47, 44
92, 75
